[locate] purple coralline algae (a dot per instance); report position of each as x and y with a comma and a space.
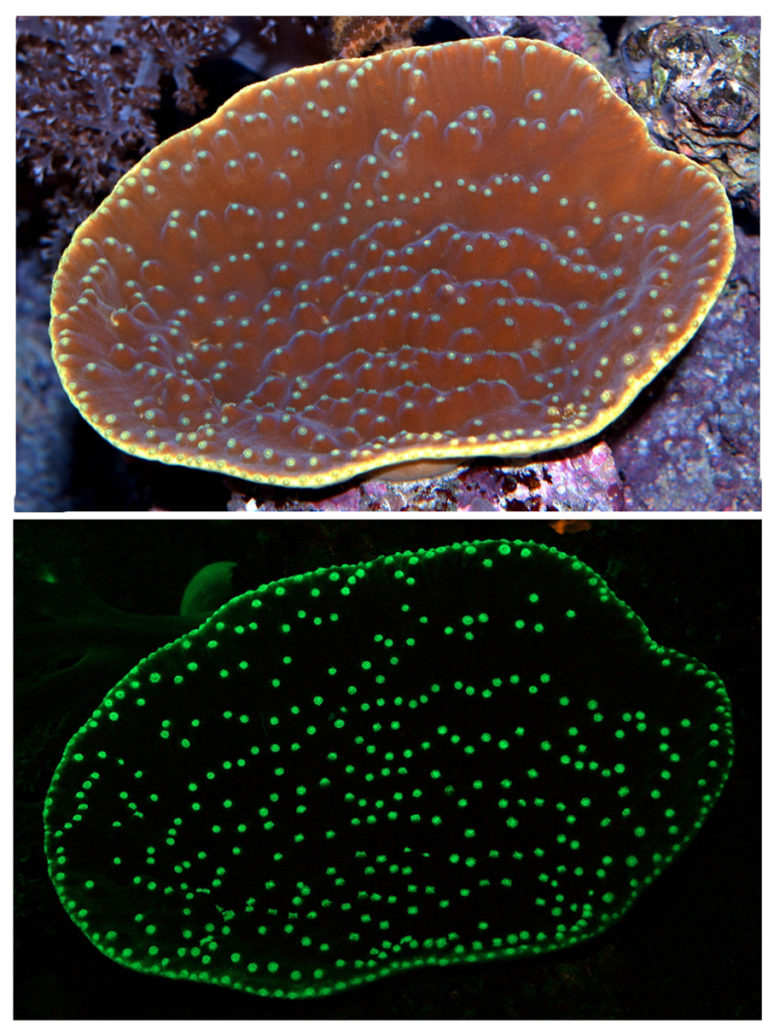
586, 479
692, 444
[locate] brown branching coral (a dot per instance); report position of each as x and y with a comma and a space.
472, 248
357, 36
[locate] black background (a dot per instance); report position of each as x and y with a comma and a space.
690, 948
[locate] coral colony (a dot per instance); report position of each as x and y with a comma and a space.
438, 252
446, 756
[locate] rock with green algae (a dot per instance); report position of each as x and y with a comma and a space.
446, 756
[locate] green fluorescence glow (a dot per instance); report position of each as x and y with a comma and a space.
323, 816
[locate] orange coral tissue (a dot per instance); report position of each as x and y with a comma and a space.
470, 248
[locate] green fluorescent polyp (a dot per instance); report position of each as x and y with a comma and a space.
323, 817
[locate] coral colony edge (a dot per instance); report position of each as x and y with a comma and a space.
434, 253
363, 770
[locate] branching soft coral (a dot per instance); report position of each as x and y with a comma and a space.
86, 89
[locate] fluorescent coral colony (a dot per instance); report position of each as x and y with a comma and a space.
471, 248
315, 789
